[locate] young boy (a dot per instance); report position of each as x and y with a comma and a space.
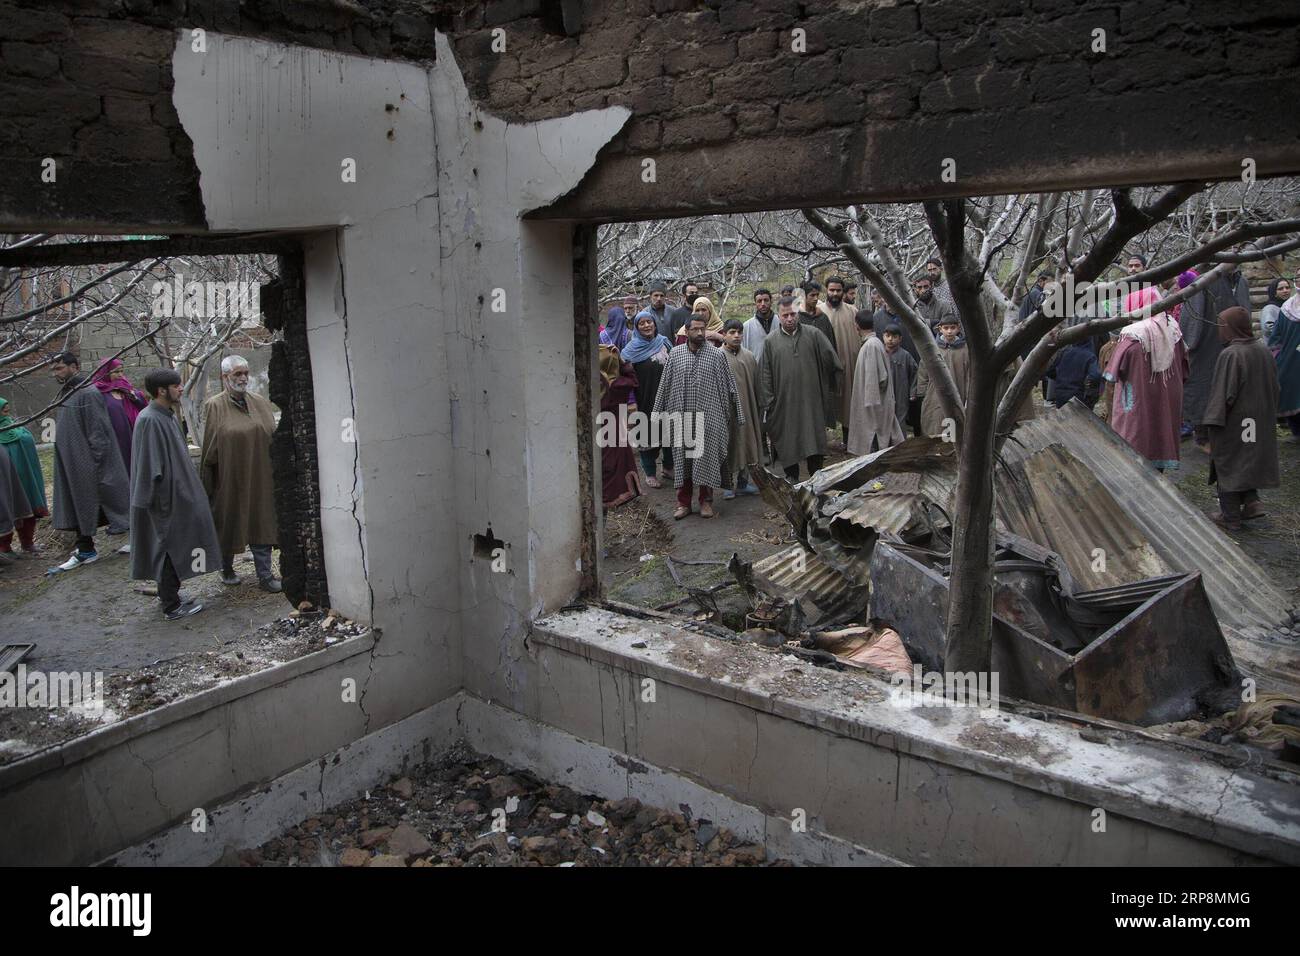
902, 369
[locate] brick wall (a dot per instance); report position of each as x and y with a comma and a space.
884, 92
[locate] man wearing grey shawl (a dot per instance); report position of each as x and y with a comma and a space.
172, 534
90, 483
873, 421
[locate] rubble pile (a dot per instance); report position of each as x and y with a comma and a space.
302, 631
1136, 636
469, 810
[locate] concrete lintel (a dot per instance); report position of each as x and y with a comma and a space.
1248, 811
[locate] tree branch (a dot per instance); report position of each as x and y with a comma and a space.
940, 376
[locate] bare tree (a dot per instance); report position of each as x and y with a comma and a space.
969, 235
45, 310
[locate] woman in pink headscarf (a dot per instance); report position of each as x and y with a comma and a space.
1148, 368
124, 402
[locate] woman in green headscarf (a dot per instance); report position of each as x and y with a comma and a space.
20, 445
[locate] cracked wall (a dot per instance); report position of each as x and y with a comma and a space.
440, 331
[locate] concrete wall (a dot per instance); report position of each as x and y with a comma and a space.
464, 417
885, 90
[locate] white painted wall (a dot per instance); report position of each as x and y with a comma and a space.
464, 417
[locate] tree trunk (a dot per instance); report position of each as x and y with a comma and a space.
970, 596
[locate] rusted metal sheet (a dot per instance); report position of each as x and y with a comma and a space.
1250, 607
1083, 523
1161, 663
825, 594
1165, 660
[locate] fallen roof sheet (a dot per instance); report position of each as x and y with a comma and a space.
1251, 608
799, 573
1070, 484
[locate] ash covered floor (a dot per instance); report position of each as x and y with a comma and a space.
442, 815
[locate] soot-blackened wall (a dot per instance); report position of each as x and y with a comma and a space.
293, 446
734, 117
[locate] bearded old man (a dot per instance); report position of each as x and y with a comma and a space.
90, 479
172, 536
236, 470
873, 416
698, 391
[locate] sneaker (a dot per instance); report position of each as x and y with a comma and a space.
728, 494
77, 560
187, 609
749, 489
681, 512
125, 549
270, 584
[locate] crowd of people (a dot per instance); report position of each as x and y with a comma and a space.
121, 461
810, 359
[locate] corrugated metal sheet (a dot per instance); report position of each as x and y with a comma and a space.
887, 512
915, 454
1069, 511
1250, 607
831, 591
1068, 483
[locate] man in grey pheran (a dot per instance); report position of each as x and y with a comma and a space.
172, 534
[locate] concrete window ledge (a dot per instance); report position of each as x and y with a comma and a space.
1210, 806
124, 731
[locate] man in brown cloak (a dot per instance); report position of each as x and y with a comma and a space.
236, 470
1240, 410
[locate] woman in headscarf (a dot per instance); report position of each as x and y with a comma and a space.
124, 402
618, 328
21, 448
647, 353
1284, 343
1184, 280
620, 481
1239, 415
713, 329
1279, 290
1148, 369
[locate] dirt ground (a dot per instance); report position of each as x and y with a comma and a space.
1273, 541
465, 809
95, 619
639, 534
